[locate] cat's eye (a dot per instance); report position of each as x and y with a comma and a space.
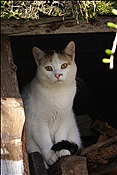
64, 65
48, 68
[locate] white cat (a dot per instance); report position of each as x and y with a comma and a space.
48, 102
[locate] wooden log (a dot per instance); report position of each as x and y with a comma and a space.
24, 151
98, 145
12, 123
69, 165
103, 155
104, 128
108, 169
54, 25
84, 123
12, 116
36, 162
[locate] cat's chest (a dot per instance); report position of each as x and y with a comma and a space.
59, 98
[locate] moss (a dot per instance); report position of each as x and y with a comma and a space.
85, 10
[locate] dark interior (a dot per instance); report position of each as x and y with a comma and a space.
97, 84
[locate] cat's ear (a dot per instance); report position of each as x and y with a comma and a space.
70, 50
38, 54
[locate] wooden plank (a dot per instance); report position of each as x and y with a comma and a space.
54, 25
12, 118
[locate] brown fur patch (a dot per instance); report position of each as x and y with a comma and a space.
65, 57
48, 58
61, 56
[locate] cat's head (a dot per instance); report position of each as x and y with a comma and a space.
56, 67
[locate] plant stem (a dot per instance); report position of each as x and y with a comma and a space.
113, 51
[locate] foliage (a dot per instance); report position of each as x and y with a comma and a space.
85, 10
108, 51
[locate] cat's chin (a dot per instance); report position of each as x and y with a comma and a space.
58, 81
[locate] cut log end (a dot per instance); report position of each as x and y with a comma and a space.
70, 165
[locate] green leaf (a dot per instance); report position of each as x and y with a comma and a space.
106, 60
108, 52
114, 11
2, 2
112, 25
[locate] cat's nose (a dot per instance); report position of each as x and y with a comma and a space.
58, 75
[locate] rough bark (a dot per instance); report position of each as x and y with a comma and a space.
12, 115
69, 165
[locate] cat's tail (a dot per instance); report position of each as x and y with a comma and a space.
64, 144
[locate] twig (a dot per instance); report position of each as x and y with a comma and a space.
98, 145
113, 51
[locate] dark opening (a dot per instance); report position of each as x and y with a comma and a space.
97, 93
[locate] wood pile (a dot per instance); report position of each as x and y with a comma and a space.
97, 159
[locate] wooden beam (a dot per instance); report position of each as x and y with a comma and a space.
9, 83
13, 157
55, 25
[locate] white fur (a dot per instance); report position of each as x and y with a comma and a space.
48, 106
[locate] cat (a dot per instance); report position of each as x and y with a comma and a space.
48, 101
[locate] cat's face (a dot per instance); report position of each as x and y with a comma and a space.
56, 67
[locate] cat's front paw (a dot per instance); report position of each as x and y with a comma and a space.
52, 159
63, 152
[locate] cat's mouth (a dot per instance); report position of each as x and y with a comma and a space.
58, 81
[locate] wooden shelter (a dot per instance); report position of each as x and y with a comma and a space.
13, 149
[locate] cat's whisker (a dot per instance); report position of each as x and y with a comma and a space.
81, 86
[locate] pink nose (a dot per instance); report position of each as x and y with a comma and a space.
58, 75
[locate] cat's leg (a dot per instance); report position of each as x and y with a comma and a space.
60, 135
73, 132
32, 147
74, 136
68, 131
43, 140
31, 144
